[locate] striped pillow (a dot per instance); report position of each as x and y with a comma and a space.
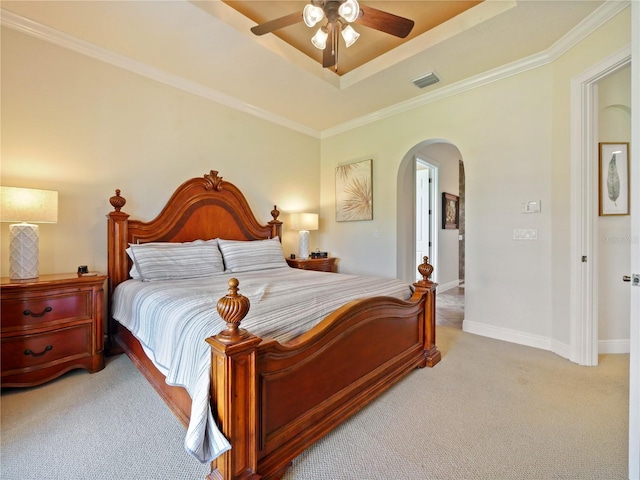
173, 261
245, 256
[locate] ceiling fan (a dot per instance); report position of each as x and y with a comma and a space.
339, 14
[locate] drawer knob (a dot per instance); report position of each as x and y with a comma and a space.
29, 313
33, 354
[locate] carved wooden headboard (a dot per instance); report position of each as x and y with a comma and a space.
201, 208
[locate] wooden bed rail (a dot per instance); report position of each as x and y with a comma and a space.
242, 364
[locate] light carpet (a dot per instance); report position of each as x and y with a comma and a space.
490, 410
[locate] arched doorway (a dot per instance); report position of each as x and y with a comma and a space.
445, 157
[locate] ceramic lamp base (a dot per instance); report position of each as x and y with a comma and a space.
303, 246
23, 251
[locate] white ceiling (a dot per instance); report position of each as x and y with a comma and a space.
208, 46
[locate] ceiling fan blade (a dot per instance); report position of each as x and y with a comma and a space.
330, 53
384, 21
276, 24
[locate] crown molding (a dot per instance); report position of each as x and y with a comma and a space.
599, 17
607, 11
70, 42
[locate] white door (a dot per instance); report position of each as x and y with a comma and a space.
424, 214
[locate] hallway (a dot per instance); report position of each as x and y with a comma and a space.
450, 307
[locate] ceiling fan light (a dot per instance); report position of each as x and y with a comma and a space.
349, 10
319, 40
350, 35
312, 15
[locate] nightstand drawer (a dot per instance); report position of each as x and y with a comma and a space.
24, 311
39, 349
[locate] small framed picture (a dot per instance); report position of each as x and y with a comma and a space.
450, 211
613, 176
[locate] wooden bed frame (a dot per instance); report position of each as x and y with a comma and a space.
273, 400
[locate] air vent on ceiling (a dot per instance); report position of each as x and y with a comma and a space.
426, 80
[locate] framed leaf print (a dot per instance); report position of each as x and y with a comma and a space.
354, 193
613, 168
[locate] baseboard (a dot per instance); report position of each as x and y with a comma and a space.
507, 335
537, 341
614, 346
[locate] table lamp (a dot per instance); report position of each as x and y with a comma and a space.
303, 222
26, 206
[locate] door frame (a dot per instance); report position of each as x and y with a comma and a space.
584, 205
435, 209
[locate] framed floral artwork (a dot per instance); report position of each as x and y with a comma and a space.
354, 192
613, 176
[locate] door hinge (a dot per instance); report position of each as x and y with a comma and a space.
584, 259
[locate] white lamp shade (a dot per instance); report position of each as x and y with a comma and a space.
319, 40
350, 35
304, 221
28, 205
312, 15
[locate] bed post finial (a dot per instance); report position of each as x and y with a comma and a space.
117, 201
233, 307
276, 225
425, 269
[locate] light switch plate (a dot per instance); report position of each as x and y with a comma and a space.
531, 206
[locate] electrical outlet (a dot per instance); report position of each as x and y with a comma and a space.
525, 234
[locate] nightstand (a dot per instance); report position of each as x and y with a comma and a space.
50, 325
317, 264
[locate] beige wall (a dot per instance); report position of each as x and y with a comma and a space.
605, 41
85, 128
514, 137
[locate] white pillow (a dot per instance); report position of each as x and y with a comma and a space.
245, 256
173, 261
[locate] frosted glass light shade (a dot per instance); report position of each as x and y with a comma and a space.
350, 35
312, 15
349, 10
319, 40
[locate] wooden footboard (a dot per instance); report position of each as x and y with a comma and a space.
274, 400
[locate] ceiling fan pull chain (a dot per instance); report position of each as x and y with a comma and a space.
334, 32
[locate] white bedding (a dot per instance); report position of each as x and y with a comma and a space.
285, 302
